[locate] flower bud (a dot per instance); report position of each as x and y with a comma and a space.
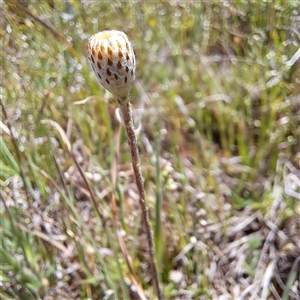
113, 61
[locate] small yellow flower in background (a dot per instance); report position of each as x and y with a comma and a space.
113, 61
152, 22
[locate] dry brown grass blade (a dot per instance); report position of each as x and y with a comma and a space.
87, 99
4, 128
50, 28
134, 278
60, 131
46, 238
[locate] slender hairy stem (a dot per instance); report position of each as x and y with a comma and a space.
126, 112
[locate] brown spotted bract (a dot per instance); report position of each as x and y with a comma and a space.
113, 61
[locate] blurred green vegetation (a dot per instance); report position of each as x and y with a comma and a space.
217, 100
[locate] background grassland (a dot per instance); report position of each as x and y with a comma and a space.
217, 98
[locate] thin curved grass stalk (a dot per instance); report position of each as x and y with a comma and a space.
113, 61
126, 112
